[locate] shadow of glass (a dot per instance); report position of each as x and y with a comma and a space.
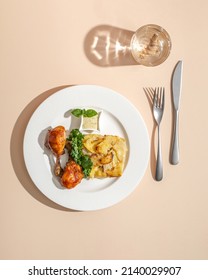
16, 149
106, 45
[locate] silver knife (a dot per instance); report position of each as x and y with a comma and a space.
176, 94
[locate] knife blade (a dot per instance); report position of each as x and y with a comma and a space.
176, 86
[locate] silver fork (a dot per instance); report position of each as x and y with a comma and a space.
158, 108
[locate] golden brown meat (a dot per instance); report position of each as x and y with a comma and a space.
56, 140
72, 175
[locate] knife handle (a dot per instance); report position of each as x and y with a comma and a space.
174, 158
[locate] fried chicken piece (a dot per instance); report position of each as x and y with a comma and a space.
72, 175
55, 141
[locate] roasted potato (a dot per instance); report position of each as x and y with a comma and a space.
107, 153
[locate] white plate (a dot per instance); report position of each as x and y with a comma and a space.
119, 117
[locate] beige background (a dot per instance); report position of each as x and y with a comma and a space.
45, 46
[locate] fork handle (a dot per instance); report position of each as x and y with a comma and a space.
159, 165
174, 158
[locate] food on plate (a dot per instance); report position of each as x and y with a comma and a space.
56, 141
72, 175
89, 155
75, 149
108, 154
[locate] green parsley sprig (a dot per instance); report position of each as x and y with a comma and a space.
75, 138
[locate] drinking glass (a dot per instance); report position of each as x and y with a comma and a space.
150, 45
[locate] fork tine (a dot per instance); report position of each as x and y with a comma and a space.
160, 97
160, 92
163, 97
155, 100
